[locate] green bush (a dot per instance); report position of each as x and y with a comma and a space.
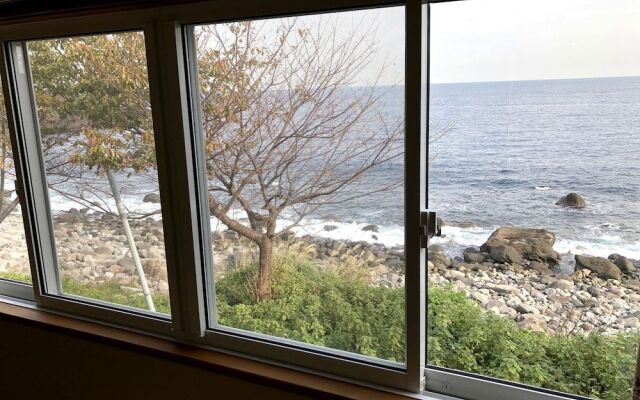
461, 336
316, 307
325, 308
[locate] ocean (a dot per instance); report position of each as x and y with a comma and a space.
506, 152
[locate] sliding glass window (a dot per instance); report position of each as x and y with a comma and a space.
303, 135
14, 257
96, 141
533, 166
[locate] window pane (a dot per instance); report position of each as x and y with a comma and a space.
94, 112
535, 107
14, 259
303, 132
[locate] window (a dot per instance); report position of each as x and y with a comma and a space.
97, 143
303, 130
534, 280
252, 178
14, 258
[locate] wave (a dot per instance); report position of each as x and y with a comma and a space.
542, 187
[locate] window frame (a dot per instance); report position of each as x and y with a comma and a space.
176, 121
172, 100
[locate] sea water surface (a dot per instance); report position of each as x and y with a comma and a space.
509, 151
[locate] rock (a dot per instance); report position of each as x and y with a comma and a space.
329, 228
127, 265
104, 250
532, 244
504, 289
475, 258
155, 253
70, 217
631, 322
562, 284
603, 267
371, 228
626, 265
155, 269
436, 248
594, 291
505, 254
533, 322
152, 198
540, 268
572, 200
480, 298
439, 259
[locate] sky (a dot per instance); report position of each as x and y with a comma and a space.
503, 40
498, 40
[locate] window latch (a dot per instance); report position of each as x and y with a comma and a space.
429, 227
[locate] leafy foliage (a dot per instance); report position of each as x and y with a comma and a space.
316, 307
462, 337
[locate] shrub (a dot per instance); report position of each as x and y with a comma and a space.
323, 308
461, 336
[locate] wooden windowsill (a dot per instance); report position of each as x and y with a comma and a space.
299, 382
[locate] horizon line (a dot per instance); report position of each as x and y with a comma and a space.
537, 79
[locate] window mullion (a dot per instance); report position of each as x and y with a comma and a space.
169, 94
415, 189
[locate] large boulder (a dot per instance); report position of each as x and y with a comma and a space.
532, 244
505, 254
603, 267
625, 264
572, 200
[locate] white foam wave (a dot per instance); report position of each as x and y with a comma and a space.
542, 187
601, 246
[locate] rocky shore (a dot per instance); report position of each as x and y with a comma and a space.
512, 274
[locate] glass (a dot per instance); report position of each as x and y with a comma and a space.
94, 112
14, 258
534, 170
303, 125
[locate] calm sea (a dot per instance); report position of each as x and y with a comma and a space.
508, 151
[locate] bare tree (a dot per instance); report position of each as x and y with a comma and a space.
288, 130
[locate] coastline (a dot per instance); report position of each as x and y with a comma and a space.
93, 250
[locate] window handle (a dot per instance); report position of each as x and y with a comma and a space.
429, 227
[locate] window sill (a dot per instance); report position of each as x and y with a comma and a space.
299, 382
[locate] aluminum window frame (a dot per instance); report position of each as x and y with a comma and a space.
407, 376
175, 111
172, 100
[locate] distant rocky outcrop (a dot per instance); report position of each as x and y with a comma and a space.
510, 244
603, 267
572, 200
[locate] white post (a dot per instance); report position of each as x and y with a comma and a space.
132, 245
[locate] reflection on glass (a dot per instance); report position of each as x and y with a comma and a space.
14, 259
96, 131
303, 129
534, 168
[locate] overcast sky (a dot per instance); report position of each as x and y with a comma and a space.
497, 40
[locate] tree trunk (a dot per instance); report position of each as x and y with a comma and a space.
115, 190
265, 268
